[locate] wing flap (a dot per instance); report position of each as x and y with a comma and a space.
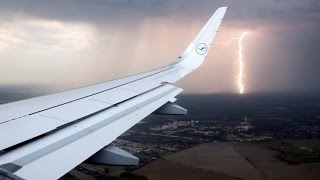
69, 111
25, 128
98, 130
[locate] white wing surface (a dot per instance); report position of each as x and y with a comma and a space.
45, 137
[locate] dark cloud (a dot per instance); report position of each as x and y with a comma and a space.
287, 58
93, 11
108, 10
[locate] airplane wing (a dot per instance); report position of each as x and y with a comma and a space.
45, 137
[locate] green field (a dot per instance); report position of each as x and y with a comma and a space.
296, 151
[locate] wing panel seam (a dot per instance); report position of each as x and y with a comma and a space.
85, 96
80, 134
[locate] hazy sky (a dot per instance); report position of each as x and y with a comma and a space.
71, 43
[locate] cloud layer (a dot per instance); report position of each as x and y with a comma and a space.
72, 43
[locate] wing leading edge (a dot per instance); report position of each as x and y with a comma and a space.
48, 136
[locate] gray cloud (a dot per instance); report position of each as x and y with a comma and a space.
287, 57
93, 11
108, 10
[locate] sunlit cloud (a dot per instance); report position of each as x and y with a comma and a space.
3, 47
34, 34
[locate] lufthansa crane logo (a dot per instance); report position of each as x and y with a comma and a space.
202, 48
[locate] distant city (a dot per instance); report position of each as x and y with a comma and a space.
225, 117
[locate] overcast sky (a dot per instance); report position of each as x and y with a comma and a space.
71, 43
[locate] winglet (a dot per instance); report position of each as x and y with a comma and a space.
199, 47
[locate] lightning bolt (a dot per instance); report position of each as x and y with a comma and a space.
240, 53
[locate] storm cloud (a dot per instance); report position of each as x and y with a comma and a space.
71, 43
